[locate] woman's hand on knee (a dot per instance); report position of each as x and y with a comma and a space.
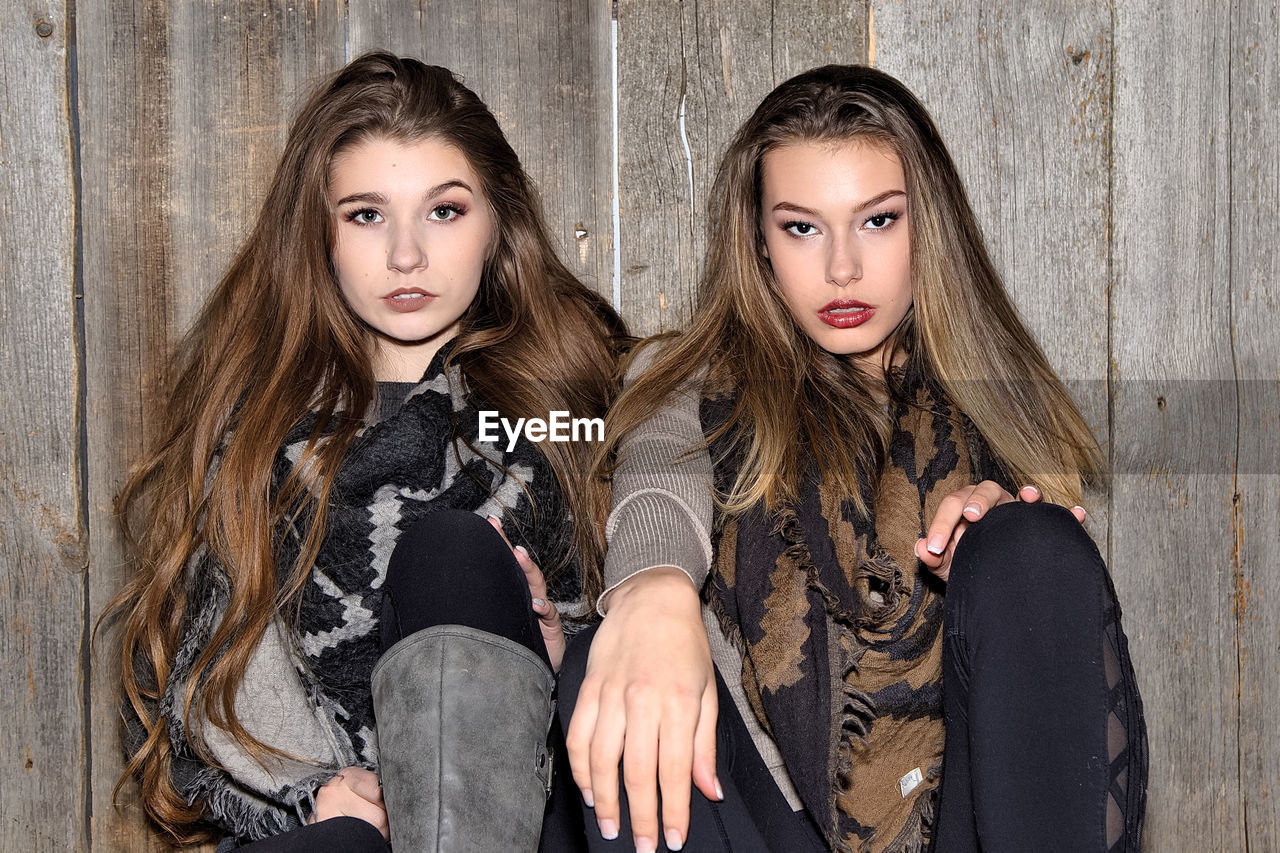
650, 685
353, 792
960, 509
548, 617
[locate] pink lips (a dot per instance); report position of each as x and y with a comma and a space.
406, 300
845, 313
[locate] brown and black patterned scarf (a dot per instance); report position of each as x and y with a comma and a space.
840, 626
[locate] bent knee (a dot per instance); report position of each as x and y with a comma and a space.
447, 542
1018, 525
1026, 550
450, 529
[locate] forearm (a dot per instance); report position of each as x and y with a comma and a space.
662, 495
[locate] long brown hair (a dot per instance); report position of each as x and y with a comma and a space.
961, 331
276, 341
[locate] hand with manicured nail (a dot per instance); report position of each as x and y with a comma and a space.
548, 617
352, 792
658, 699
960, 509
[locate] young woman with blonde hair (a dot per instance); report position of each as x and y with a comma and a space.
319, 595
854, 364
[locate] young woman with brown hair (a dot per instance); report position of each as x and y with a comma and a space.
320, 491
853, 365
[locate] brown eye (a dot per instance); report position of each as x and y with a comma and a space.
445, 212
880, 221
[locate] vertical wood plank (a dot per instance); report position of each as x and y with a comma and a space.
1254, 52
805, 35
1021, 93
183, 109
688, 75
656, 173
542, 66
43, 546
1175, 410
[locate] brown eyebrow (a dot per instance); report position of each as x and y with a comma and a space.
363, 198
871, 202
448, 185
379, 198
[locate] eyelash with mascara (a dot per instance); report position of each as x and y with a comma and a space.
457, 209
891, 215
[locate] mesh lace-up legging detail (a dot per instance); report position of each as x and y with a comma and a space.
1126, 740
1045, 742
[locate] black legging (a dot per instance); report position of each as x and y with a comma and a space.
1045, 743
452, 568
1046, 746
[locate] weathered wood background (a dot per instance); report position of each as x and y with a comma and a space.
1123, 156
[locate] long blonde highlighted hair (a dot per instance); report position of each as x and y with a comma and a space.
276, 341
795, 402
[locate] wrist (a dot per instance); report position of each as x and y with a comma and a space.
666, 583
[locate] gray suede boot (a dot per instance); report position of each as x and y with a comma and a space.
462, 721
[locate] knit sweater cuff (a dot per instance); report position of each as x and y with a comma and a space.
652, 528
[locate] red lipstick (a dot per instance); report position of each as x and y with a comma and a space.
406, 300
845, 313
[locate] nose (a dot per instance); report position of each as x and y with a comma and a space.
844, 265
407, 252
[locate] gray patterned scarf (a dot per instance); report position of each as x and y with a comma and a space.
396, 472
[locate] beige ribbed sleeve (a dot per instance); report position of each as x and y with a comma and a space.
661, 514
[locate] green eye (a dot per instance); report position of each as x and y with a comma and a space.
364, 216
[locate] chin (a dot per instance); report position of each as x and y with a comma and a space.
411, 335
844, 345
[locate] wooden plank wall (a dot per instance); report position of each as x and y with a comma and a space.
1122, 156
175, 153
1174, 407
44, 748
1255, 294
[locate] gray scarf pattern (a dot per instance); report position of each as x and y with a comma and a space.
307, 689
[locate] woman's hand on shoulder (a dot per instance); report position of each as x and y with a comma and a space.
960, 509
650, 685
353, 792
548, 617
